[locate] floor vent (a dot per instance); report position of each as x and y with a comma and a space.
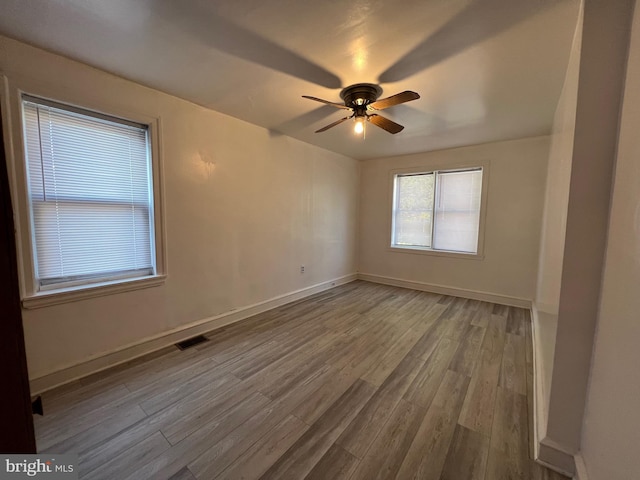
190, 342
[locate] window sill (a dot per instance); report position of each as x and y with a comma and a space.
74, 294
436, 253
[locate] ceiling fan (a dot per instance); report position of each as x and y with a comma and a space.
361, 99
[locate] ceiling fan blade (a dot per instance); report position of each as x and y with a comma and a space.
385, 123
397, 99
333, 124
333, 104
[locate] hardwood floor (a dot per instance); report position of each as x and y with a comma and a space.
363, 381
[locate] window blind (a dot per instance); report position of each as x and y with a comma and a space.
457, 211
413, 212
91, 200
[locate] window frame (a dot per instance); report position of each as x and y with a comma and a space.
443, 167
11, 98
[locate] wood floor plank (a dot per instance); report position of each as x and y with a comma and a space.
426, 456
207, 406
464, 360
221, 453
501, 310
336, 464
388, 450
226, 450
300, 459
481, 317
212, 381
516, 321
495, 335
362, 431
51, 431
110, 426
509, 452
479, 403
467, 456
130, 460
264, 453
513, 372
324, 396
379, 372
178, 456
426, 383
184, 474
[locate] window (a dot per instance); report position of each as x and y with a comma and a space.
91, 196
437, 210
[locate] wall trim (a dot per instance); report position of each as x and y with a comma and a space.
447, 290
581, 468
554, 456
109, 359
538, 391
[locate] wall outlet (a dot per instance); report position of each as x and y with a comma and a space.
301, 268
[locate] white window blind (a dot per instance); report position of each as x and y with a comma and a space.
91, 200
414, 210
458, 211
438, 210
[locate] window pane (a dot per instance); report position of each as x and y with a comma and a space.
458, 211
89, 182
414, 207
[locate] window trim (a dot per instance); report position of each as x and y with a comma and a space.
429, 167
11, 96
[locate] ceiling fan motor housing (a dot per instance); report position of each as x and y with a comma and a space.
360, 95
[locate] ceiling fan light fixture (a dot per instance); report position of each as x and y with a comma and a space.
358, 128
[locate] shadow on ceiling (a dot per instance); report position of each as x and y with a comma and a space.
303, 121
221, 34
479, 21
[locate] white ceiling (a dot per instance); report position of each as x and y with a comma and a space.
486, 70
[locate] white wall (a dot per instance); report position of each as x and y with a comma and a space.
514, 210
547, 297
611, 433
237, 230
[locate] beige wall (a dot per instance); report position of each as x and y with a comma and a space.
236, 233
515, 198
554, 224
611, 432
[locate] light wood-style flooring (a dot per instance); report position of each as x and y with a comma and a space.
363, 381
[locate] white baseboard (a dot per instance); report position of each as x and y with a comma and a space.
539, 416
581, 468
554, 456
145, 346
446, 290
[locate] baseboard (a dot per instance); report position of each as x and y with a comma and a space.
143, 347
539, 416
554, 456
446, 290
581, 468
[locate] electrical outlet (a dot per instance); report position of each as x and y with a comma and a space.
301, 268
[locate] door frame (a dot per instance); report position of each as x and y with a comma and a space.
16, 417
